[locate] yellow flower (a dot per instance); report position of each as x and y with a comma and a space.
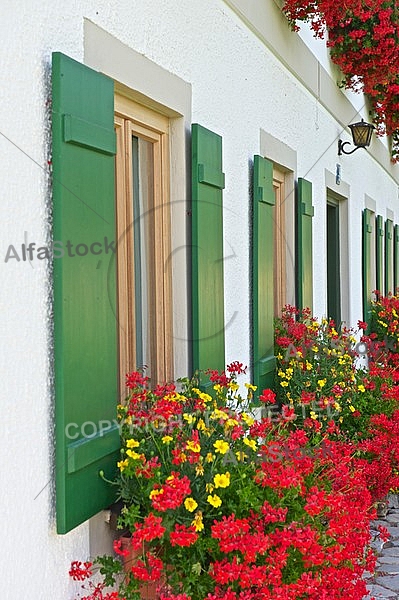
204, 397
250, 387
189, 418
315, 349
222, 480
361, 388
133, 454
233, 386
247, 419
209, 487
241, 456
193, 446
154, 493
250, 443
217, 387
221, 446
231, 423
321, 382
218, 414
214, 500
199, 470
132, 443
167, 439
190, 504
209, 457
197, 522
337, 406
309, 366
122, 464
352, 408
313, 415
201, 425
281, 373
284, 383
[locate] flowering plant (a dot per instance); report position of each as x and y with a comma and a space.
364, 42
318, 374
385, 322
223, 505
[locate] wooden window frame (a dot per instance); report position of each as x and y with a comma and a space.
131, 119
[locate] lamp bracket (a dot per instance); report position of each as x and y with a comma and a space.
341, 150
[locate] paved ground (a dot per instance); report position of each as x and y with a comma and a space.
385, 582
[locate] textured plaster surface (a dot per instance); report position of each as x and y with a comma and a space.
238, 88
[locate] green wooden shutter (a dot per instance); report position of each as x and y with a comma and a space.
396, 260
207, 251
388, 257
379, 253
304, 270
367, 285
264, 361
85, 326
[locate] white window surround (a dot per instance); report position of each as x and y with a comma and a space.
266, 20
370, 203
143, 81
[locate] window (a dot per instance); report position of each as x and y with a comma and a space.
144, 241
333, 262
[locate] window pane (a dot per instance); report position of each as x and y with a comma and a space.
143, 208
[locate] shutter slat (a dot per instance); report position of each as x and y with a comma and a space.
86, 451
89, 135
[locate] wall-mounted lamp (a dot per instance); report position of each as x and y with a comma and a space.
361, 135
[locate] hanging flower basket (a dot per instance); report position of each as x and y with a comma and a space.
363, 38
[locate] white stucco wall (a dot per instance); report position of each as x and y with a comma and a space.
238, 88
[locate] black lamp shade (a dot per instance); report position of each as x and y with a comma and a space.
361, 133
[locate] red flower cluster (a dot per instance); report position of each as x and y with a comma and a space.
171, 494
150, 530
183, 536
363, 37
151, 570
80, 571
